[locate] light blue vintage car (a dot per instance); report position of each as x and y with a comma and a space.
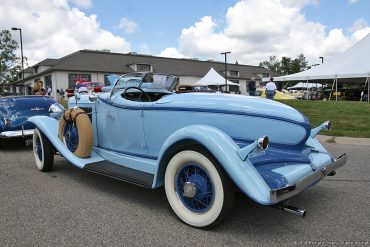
200, 147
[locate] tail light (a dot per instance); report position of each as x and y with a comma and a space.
97, 89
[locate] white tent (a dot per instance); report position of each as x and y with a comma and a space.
301, 85
214, 78
350, 65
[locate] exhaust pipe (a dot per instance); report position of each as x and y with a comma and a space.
293, 210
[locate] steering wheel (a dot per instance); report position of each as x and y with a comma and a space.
141, 93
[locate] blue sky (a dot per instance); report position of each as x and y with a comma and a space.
252, 30
160, 22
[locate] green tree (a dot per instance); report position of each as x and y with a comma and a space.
286, 65
299, 64
9, 62
273, 64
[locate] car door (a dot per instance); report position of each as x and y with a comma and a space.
120, 126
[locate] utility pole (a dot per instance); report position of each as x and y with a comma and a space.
225, 53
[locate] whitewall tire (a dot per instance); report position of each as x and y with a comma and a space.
43, 151
197, 189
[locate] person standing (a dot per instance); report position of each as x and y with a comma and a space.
270, 89
49, 91
252, 87
38, 88
61, 92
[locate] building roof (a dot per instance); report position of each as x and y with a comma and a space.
109, 62
48, 62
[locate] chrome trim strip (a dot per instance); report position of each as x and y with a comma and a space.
288, 191
16, 133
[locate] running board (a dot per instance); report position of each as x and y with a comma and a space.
120, 172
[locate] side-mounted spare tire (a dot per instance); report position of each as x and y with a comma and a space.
75, 131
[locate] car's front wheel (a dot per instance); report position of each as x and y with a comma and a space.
43, 151
197, 189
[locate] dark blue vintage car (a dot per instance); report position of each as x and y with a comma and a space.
15, 111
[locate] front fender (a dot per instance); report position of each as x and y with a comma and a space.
49, 127
224, 149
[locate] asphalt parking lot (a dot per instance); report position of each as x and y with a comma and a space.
71, 207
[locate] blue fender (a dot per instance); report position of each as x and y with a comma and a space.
49, 127
225, 150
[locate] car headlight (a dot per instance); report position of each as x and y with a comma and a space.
56, 110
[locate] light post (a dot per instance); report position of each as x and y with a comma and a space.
225, 53
322, 59
20, 33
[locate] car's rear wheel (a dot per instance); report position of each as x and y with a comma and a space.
43, 151
197, 189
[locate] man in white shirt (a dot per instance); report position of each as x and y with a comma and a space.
49, 91
270, 89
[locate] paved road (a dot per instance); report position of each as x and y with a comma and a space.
75, 208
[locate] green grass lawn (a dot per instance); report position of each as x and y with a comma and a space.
348, 118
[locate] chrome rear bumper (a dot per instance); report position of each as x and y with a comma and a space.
16, 133
278, 195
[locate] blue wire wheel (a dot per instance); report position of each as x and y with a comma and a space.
38, 148
43, 151
70, 136
194, 188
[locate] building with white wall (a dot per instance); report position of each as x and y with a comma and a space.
95, 65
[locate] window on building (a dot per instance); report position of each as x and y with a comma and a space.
72, 78
233, 73
47, 81
265, 75
143, 67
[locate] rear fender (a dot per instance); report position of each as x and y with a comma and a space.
224, 150
49, 127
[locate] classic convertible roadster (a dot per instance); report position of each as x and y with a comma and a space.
200, 147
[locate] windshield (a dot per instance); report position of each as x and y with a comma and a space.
146, 80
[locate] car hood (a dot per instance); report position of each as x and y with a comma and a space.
232, 104
21, 108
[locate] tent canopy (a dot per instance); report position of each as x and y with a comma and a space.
214, 78
305, 85
353, 63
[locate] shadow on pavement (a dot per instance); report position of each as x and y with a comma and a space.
15, 145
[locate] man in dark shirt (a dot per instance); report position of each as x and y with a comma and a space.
252, 87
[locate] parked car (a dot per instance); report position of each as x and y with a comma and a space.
15, 111
201, 147
91, 87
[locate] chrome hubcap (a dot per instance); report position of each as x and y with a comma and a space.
190, 190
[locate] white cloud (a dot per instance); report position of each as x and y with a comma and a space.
352, 1
52, 29
127, 26
171, 52
257, 29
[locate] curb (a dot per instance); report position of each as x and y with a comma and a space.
344, 140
